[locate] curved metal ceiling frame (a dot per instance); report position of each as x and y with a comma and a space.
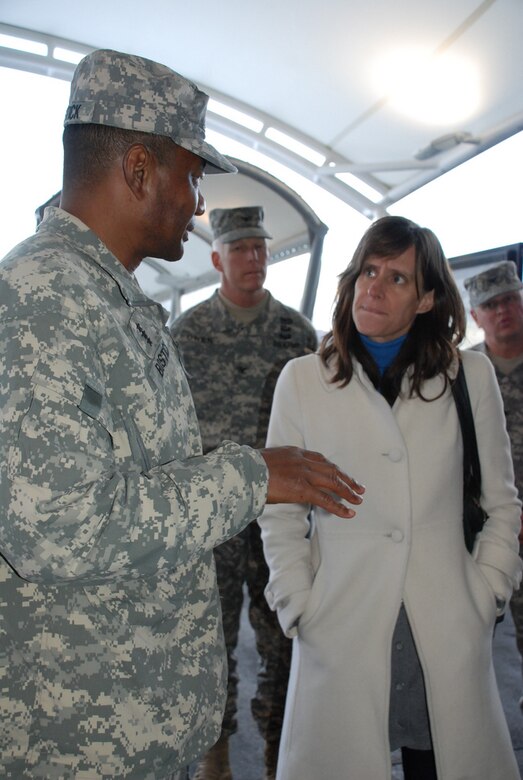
427, 170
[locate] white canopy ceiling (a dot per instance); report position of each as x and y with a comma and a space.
307, 69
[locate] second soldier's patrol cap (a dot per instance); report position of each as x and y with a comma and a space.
242, 222
498, 279
134, 93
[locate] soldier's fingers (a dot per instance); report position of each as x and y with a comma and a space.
325, 474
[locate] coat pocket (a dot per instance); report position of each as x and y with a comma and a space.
313, 604
481, 591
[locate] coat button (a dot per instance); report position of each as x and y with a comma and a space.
397, 535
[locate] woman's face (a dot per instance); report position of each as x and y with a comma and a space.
386, 300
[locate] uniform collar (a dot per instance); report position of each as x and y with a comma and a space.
75, 232
225, 321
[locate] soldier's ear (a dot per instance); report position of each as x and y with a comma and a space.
217, 261
138, 169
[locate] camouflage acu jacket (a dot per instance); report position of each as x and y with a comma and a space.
232, 367
511, 386
111, 652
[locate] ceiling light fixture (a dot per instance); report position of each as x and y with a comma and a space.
444, 143
67, 55
239, 117
23, 44
295, 146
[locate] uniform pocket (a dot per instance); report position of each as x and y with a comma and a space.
67, 415
69, 381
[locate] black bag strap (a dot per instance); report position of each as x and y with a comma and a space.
472, 469
471, 466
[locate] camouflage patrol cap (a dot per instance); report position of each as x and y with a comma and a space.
133, 93
499, 279
243, 222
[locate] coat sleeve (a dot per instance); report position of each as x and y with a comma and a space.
70, 510
284, 527
496, 547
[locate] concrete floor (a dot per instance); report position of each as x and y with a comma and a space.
247, 746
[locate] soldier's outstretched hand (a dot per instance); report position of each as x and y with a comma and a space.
305, 477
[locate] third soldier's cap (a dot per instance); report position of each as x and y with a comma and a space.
232, 224
134, 93
498, 279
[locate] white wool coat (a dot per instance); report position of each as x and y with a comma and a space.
339, 589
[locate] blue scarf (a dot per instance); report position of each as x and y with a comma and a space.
383, 352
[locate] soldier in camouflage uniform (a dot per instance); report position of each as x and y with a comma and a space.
111, 649
234, 346
496, 301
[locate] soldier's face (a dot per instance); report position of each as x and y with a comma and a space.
176, 201
501, 317
243, 264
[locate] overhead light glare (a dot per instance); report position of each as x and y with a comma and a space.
68, 55
295, 146
435, 89
239, 117
360, 186
23, 44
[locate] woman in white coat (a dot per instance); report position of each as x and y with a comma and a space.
392, 616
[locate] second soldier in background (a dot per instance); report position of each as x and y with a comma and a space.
234, 346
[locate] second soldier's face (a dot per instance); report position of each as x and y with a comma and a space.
243, 264
176, 202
